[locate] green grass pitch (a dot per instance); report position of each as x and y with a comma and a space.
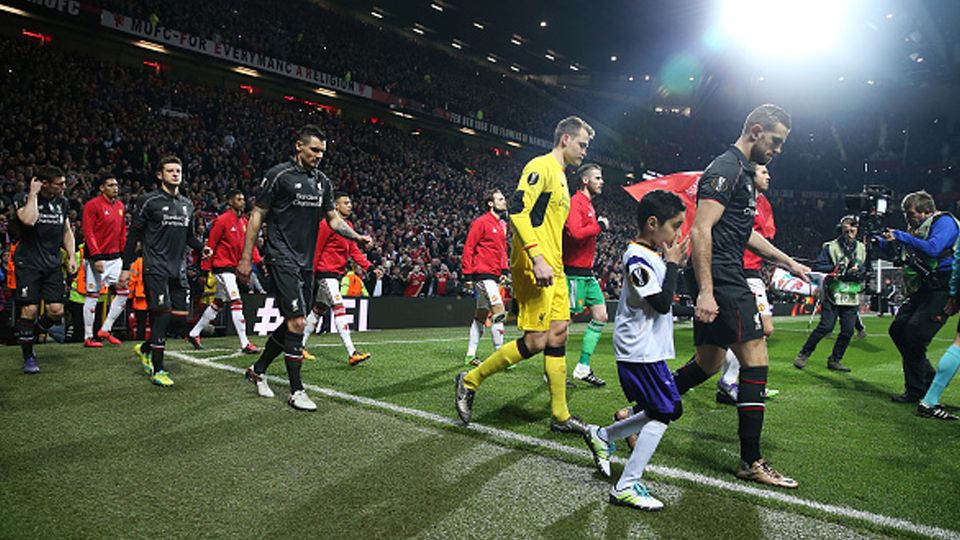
91, 449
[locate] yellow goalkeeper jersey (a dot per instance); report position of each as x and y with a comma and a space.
538, 212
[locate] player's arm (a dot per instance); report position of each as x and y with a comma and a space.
529, 190
341, 227
216, 233
323, 236
90, 229
137, 227
70, 245
244, 265
580, 225
762, 247
28, 212
469, 247
701, 239
193, 242
359, 257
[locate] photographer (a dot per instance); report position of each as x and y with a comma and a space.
843, 259
926, 252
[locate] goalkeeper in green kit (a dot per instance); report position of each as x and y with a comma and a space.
579, 247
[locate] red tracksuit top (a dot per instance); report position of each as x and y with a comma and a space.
763, 224
333, 250
580, 236
226, 238
104, 229
485, 251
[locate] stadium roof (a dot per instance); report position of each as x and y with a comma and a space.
617, 39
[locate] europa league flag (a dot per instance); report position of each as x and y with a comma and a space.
683, 184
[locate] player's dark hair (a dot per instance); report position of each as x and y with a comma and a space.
233, 193
47, 173
167, 160
338, 194
488, 196
768, 116
571, 126
659, 203
101, 179
585, 169
310, 130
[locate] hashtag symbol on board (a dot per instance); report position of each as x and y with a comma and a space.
268, 318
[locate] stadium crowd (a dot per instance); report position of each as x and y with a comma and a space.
415, 194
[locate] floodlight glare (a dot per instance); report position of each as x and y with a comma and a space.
784, 28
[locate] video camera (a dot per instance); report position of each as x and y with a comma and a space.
871, 206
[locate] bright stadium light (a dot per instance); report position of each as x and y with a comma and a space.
785, 28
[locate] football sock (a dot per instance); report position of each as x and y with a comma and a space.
89, 314
591, 336
343, 327
750, 409
273, 348
117, 306
209, 314
496, 334
293, 358
476, 332
240, 324
946, 369
25, 334
509, 354
649, 438
689, 375
178, 324
158, 337
731, 369
622, 429
555, 367
313, 318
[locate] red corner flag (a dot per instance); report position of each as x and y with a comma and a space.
683, 184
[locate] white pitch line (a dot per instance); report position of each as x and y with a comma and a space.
665, 472
392, 342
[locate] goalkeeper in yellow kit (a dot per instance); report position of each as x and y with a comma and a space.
538, 211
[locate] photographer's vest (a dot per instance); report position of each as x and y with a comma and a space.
845, 293
912, 279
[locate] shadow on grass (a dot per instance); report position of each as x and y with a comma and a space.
430, 381
407, 494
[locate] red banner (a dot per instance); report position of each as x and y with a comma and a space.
683, 184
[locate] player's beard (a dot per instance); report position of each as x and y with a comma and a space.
758, 155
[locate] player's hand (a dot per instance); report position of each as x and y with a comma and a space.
98, 266
952, 306
707, 308
799, 270
542, 272
207, 252
72, 265
35, 185
604, 221
244, 267
124, 280
365, 241
676, 251
888, 235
